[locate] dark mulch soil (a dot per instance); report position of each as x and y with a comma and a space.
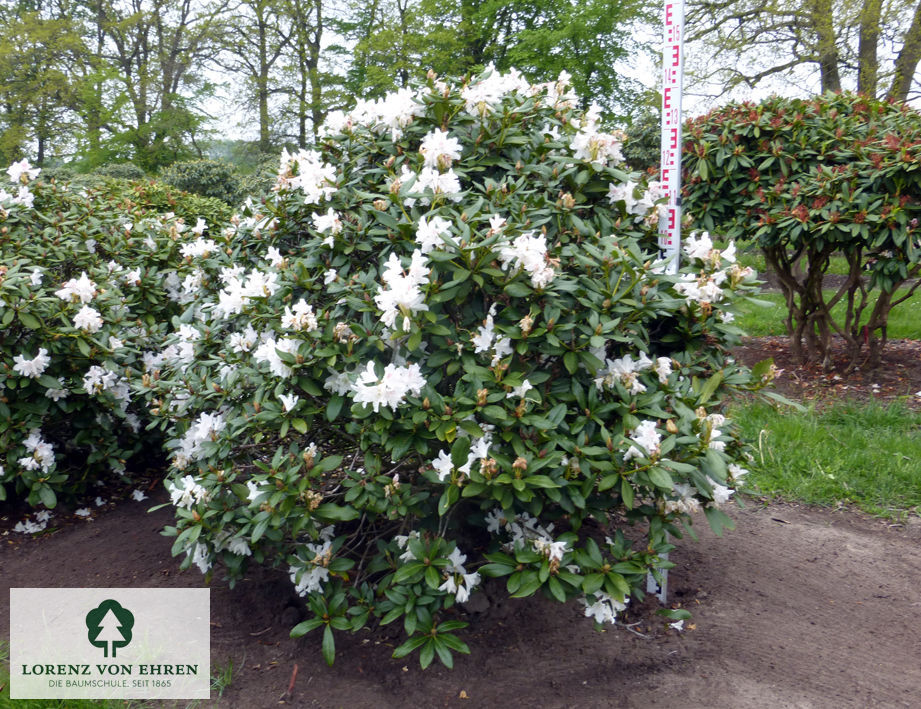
797, 607
897, 377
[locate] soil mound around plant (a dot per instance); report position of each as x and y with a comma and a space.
796, 607
897, 377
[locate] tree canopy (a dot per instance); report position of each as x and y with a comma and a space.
93, 82
871, 46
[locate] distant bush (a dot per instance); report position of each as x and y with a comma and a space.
258, 184
88, 284
643, 142
208, 178
161, 197
121, 170
808, 178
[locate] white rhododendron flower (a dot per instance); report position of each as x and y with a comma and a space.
456, 578
603, 608
484, 96
596, 147
402, 295
310, 573
41, 452
389, 390
240, 342
77, 289
445, 184
32, 368
22, 171
274, 257
626, 371
686, 502
443, 466
648, 438
268, 352
301, 317
329, 222
439, 149
698, 246
430, 231
288, 401
530, 253
306, 171
200, 248
207, 427
88, 319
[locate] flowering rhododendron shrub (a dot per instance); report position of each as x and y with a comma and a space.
808, 178
436, 354
88, 283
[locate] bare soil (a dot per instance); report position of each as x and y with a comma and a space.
797, 607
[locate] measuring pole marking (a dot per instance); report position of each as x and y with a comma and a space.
670, 171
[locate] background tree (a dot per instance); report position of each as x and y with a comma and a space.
258, 35
873, 46
396, 40
37, 92
159, 49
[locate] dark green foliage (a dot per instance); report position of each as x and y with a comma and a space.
806, 179
208, 178
121, 170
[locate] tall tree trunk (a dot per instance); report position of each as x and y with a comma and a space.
907, 62
827, 45
868, 64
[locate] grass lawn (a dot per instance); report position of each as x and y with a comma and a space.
865, 454
759, 320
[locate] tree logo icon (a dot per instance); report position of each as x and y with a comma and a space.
109, 626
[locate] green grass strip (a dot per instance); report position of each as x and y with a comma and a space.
759, 321
865, 454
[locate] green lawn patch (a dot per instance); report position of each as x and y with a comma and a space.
762, 320
861, 453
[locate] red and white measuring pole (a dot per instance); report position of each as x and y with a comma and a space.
670, 173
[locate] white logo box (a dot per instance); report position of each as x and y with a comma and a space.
110, 643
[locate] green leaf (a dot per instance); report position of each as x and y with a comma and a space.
660, 478
571, 360
300, 425
448, 498
556, 589
444, 654
47, 496
592, 583
718, 520
626, 492
410, 570
259, 530
517, 289
329, 646
29, 320
674, 613
333, 407
410, 645
459, 452
331, 512
496, 570
427, 654
302, 629
710, 387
